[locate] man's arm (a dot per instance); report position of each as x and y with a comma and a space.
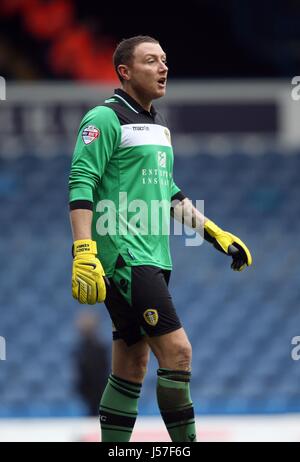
185, 212
81, 222
99, 133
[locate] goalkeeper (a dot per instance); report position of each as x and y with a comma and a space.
123, 156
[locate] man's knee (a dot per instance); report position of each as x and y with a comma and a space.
132, 367
139, 364
174, 352
182, 355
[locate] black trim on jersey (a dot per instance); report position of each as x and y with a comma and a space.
126, 115
81, 204
178, 196
134, 103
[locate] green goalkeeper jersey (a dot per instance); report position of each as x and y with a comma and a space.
123, 165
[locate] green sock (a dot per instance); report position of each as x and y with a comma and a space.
118, 409
175, 404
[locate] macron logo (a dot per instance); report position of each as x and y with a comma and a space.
141, 127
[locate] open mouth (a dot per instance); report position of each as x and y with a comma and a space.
162, 81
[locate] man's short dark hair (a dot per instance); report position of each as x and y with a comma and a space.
124, 52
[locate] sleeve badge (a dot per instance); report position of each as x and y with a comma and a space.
90, 134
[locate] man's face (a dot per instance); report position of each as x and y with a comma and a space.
147, 73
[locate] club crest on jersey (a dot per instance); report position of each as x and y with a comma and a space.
90, 134
162, 158
151, 317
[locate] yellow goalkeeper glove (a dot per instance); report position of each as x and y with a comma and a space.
88, 285
229, 244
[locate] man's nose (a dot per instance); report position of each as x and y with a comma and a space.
163, 67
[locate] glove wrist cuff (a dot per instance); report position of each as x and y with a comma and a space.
84, 246
211, 228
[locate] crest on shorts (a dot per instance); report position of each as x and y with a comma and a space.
151, 317
90, 134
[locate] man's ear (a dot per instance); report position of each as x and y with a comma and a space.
124, 71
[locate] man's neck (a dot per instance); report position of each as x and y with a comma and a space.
144, 102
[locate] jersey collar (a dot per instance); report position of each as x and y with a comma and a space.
133, 104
